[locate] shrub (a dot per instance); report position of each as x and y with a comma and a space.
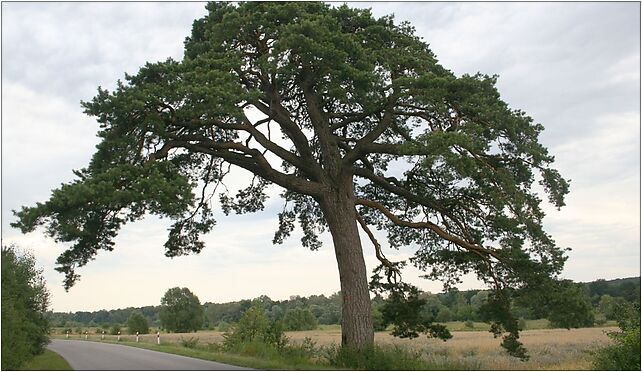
600, 319
377, 321
223, 326
189, 343
299, 320
377, 357
469, 324
137, 323
624, 354
114, 329
254, 326
24, 305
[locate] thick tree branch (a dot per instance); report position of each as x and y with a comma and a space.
290, 128
385, 123
393, 185
321, 125
393, 271
308, 168
242, 156
428, 225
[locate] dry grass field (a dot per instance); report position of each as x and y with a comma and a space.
550, 349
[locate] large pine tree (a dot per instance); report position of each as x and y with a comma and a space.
357, 123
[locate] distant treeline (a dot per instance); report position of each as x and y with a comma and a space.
306, 312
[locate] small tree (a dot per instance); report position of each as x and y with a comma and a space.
255, 326
137, 323
24, 305
181, 311
299, 320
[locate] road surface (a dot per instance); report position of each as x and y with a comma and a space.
88, 355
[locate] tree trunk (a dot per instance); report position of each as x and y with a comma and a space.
338, 209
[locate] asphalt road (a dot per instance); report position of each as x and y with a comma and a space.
88, 355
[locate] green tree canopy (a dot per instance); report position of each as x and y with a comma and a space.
354, 118
181, 311
299, 319
137, 323
255, 326
24, 305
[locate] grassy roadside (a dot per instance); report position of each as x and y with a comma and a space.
227, 358
47, 361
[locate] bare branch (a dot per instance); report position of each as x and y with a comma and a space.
393, 271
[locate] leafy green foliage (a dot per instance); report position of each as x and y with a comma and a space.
627, 289
299, 320
137, 323
403, 309
181, 311
114, 329
378, 321
564, 303
384, 358
624, 354
503, 323
255, 326
24, 304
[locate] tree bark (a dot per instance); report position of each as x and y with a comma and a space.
339, 212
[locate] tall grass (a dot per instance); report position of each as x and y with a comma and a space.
387, 358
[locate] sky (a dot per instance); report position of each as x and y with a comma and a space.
574, 67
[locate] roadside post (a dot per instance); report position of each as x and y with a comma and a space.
103, 336
136, 336
157, 337
67, 334
85, 335
118, 335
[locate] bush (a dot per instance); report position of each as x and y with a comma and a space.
377, 321
254, 326
223, 326
377, 357
189, 343
299, 320
469, 324
24, 306
114, 329
624, 354
137, 323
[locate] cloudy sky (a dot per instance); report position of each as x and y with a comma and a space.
574, 67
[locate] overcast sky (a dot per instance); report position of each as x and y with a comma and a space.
574, 67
